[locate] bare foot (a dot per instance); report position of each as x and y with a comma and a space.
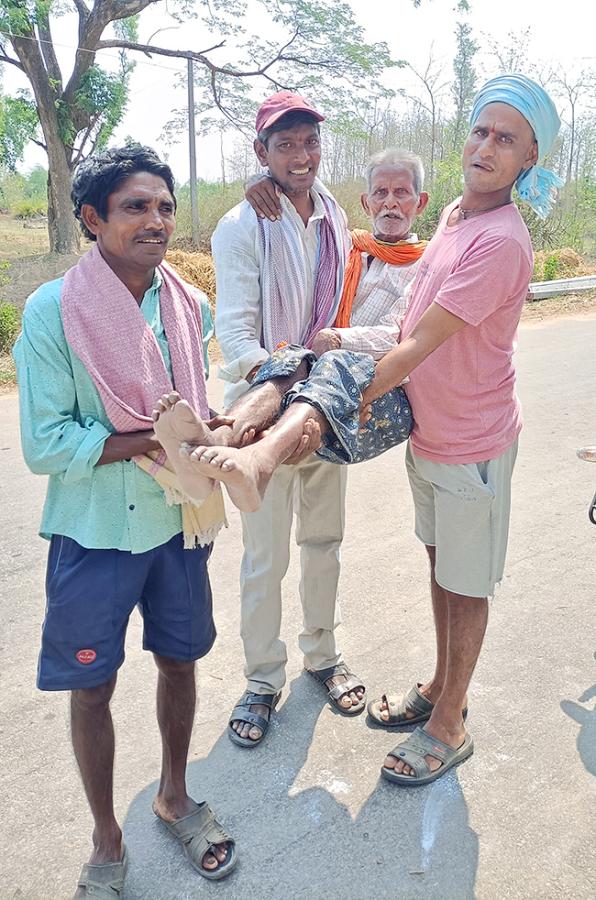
245, 473
176, 423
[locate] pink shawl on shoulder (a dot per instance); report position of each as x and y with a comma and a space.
105, 327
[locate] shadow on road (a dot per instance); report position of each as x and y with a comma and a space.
586, 738
298, 841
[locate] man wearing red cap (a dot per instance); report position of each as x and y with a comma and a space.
280, 282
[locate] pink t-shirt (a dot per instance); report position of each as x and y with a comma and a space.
463, 395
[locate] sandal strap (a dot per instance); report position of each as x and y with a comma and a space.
418, 745
399, 704
249, 698
242, 714
417, 702
199, 831
324, 675
104, 879
345, 687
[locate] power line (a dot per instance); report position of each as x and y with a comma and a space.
35, 40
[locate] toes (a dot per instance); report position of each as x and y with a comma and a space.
345, 702
390, 762
197, 453
220, 851
209, 861
255, 733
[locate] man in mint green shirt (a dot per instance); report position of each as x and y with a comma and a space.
114, 542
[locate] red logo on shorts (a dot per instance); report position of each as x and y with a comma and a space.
85, 657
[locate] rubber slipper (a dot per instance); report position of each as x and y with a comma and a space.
413, 751
197, 833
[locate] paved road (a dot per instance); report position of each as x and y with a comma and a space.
311, 816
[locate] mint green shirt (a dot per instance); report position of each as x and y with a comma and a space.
64, 427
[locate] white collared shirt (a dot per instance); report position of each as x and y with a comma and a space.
379, 306
238, 258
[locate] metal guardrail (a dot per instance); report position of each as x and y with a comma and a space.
539, 290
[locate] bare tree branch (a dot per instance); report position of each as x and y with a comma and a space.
91, 28
82, 8
8, 59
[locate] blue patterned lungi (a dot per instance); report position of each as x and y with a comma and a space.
334, 386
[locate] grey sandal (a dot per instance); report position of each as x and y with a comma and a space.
398, 705
197, 833
335, 693
103, 882
242, 713
412, 752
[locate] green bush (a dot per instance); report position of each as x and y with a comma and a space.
551, 267
10, 323
30, 209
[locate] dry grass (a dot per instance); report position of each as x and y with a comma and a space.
17, 241
8, 375
568, 263
197, 268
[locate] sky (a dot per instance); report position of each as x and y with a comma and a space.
565, 41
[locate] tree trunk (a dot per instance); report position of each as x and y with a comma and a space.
63, 230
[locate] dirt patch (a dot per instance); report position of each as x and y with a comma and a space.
561, 305
28, 272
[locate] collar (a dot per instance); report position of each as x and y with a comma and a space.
317, 213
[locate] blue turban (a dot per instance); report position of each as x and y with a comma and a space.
536, 185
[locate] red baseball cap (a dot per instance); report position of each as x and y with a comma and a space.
278, 105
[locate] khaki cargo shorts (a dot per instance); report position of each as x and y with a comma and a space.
463, 511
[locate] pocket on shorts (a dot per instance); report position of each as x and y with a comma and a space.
54, 555
465, 481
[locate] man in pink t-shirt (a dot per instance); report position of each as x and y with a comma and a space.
458, 340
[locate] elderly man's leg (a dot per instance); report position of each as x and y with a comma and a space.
247, 472
329, 401
178, 425
92, 733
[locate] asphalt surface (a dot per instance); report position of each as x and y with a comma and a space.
310, 814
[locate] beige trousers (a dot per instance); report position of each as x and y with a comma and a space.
315, 491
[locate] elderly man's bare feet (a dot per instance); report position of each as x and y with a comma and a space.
177, 423
245, 473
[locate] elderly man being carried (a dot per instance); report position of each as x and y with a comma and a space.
301, 396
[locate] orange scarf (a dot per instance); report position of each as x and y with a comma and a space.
363, 241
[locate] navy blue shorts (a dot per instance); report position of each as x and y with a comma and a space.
91, 594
